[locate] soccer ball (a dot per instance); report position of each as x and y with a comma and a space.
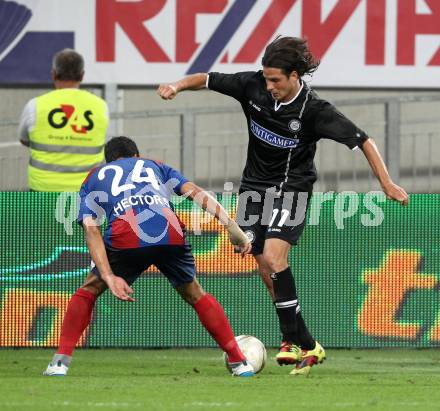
254, 351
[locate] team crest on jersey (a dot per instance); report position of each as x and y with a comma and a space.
250, 235
295, 125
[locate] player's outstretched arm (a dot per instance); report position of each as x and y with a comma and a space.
192, 82
95, 243
392, 191
208, 203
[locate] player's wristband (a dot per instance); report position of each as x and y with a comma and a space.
236, 234
174, 88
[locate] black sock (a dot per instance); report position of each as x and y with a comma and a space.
287, 326
292, 325
286, 302
306, 341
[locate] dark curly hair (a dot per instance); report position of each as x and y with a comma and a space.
120, 147
290, 54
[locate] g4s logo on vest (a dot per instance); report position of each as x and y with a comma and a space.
59, 118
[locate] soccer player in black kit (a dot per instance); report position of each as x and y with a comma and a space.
285, 121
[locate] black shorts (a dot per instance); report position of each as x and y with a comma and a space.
176, 262
265, 215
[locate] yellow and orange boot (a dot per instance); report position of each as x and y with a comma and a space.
309, 358
289, 354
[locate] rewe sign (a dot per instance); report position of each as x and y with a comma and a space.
378, 43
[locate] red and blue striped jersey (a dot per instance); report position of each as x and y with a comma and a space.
134, 196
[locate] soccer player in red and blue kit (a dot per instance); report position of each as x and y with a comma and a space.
134, 195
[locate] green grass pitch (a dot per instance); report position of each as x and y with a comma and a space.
195, 379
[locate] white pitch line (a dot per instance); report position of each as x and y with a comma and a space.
113, 404
210, 404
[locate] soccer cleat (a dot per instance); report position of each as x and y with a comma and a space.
309, 359
56, 370
289, 354
241, 369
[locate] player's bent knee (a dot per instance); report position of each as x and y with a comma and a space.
274, 260
191, 292
96, 290
94, 285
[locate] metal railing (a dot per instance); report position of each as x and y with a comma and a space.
208, 144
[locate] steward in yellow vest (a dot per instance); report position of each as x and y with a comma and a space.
65, 129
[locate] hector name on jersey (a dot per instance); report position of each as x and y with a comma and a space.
134, 195
283, 136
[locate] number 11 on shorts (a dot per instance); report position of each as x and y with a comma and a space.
284, 215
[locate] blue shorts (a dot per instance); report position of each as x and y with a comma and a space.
176, 262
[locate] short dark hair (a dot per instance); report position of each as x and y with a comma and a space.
118, 147
290, 54
68, 65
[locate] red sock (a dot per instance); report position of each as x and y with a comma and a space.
214, 319
76, 320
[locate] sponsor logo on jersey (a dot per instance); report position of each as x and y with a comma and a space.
295, 125
271, 138
254, 105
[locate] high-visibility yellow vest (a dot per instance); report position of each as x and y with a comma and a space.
67, 140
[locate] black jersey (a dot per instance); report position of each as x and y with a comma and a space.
283, 136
